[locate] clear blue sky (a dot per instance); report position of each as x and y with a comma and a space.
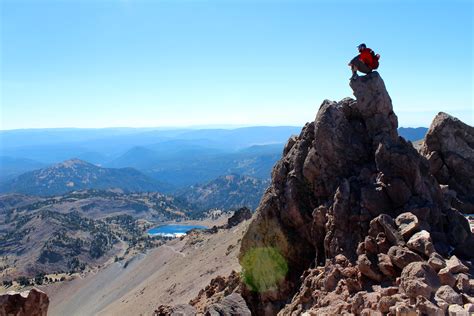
138, 63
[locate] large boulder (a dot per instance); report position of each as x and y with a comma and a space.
408, 224
239, 216
367, 268
421, 242
177, 310
27, 303
447, 294
402, 256
418, 278
455, 265
231, 305
449, 148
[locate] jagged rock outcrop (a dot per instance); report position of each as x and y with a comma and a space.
238, 217
352, 218
212, 299
27, 303
221, 297
449, 148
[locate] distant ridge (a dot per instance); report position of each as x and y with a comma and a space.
227, 192
412, 133
75, 174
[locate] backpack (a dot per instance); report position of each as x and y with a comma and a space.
375, 58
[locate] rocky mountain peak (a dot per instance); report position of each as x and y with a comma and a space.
72, 162
351, 204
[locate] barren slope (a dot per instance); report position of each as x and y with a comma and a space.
170, 274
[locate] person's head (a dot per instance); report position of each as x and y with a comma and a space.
361, 47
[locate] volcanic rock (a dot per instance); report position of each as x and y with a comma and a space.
407, 224
418, 278
177, 310
436, 261
457, 310
446, 277
455, 265
426, 307
462, 283
421, 242
347, 200
385, 224
385, 265
231, 305
449, 148
27, 303
402, 256
447, 294
367, 268
239, 216
337, 190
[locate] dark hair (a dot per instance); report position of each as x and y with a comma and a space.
362, 46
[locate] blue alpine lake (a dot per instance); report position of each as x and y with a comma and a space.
173, 230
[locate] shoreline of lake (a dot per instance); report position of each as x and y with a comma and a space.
173, 230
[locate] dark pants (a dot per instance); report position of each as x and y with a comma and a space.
359, 65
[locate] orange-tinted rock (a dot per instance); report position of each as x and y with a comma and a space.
27, 303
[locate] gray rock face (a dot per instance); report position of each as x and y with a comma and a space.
239, 216
337, 190
231, 305
449, 148
28, 303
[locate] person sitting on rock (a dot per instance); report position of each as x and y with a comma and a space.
365, 62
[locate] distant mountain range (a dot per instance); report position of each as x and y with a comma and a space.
190, 164
11, 167
226, 192
75, 174
176, 158
412, 134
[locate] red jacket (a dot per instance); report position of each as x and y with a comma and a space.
367, 58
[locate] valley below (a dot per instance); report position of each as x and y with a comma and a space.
172, 273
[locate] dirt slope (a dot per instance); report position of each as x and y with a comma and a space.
170, 274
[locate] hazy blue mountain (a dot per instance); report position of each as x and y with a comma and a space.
245, 136
181, 157
75, 174
412, 134
137, 157
185, 170
161, 154
226, 192
103, 146
11, 167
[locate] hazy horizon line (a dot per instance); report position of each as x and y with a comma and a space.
196, 127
